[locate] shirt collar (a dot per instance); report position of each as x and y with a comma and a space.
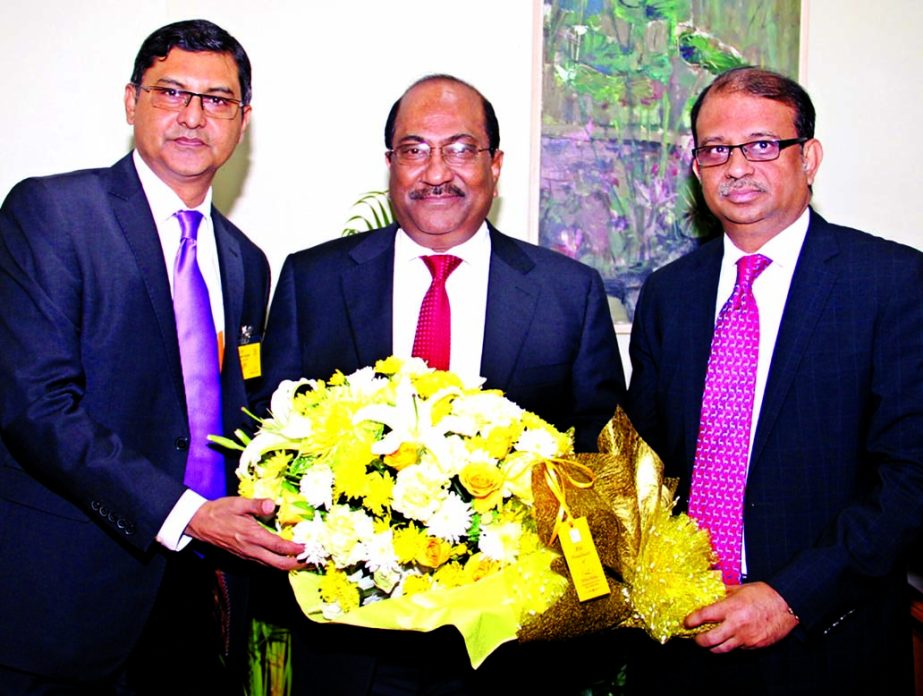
475, 250
163, 201
783, 249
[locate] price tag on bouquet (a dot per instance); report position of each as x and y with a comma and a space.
586, 570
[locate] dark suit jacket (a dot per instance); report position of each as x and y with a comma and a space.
548, 339
835, 486
549, 344
93, 415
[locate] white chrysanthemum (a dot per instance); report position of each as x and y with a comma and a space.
317, 486
346, 530
539, 441
380, 551
419, 491
311, 533
486, 409
500, 542
452, 520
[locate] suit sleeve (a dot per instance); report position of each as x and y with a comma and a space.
55, 455
868, 538
282, 345
598, 377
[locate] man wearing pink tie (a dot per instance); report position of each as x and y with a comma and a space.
778, 371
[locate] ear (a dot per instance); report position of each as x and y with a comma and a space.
812, 155
131, 101
496, 164
695, 170
245, 121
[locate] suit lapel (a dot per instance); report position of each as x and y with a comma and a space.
232, 285
698, 299
133, 214
812, 282
511, 301
367, 291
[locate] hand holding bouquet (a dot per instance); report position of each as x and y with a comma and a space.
414, 495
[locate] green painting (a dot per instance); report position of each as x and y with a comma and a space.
619, 77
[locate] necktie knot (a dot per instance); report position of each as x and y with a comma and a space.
750, 267
189, 221
441, 266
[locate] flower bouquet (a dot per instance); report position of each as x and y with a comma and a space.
424, 501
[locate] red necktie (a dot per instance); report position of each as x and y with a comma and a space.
433, 341
719, 475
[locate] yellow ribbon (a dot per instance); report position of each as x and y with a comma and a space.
558, 472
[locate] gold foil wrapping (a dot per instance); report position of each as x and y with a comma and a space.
657, 565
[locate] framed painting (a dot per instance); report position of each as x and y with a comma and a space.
618, 79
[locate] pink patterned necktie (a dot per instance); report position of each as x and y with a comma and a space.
719, 475
198, 349
433, 341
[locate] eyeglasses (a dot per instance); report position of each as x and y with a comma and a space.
756, 151
453, 154
173, 99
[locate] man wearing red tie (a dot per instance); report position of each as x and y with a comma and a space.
442, 283
778, 371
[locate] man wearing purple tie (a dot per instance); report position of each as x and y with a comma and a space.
132, 311
778, 371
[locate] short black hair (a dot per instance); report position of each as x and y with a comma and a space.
491, 126
762, 83
193, 35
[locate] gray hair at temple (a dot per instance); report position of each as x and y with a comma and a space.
762, 83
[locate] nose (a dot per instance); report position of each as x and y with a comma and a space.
193, 114
737, 165
437, 171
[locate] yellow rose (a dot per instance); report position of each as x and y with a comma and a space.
405, 455
480, 566
485, 483
434, 553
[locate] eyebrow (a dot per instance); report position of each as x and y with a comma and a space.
179, 85
758, 135
450, 139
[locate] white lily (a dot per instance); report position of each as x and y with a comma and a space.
410, 420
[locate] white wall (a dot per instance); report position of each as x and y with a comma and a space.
325, 75
863, 70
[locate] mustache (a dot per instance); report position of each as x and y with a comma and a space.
738, 184
428, 191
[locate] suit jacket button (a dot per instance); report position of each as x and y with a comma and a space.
182, 443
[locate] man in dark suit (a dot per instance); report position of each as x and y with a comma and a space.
530, 321
833, 442
95, 519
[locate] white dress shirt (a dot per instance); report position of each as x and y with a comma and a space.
467, 291
164, 204
771, 292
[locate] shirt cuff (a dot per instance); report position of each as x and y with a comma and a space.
171, 534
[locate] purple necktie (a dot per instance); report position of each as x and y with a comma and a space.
198, 349
719, 476
433, 340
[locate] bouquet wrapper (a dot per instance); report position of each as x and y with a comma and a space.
485, 625
657, 564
